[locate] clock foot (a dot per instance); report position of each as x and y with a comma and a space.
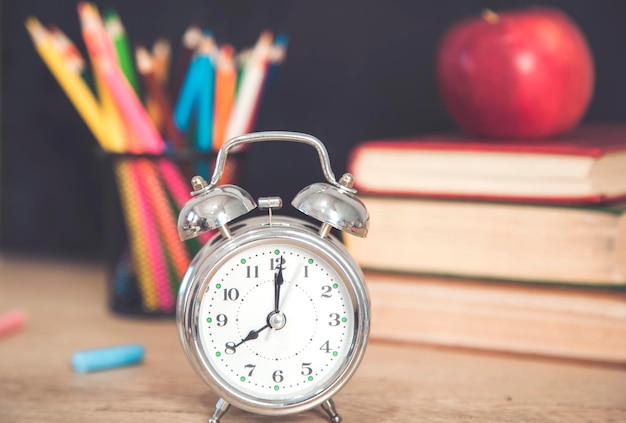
329, 407
221, 407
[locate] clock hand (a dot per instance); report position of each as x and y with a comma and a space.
253, 334
278, 281
288, 288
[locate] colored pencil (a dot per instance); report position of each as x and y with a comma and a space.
108, 63
250, 87
160, 58
110, 113
276, 55
140, 236
225, 85
130, 107
146, 68
161, 54
188, 98
67, 49
190, 41
91, 21
143, 137
165, 219
241, 59
114, 27
195, 82
223, 92
72, 84
154, 111
205, 57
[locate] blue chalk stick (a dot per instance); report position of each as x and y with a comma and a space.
107, 358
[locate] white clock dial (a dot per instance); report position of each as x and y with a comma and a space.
276, 321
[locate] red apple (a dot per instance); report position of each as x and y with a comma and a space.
519, 73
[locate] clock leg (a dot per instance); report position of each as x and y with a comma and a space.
221, 407
329, 407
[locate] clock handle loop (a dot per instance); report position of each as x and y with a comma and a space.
333, 203
255, 137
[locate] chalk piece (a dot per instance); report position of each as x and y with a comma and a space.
11, 321
107, 358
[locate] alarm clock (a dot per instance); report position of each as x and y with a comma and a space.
273, 312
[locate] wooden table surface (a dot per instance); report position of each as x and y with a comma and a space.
66, 311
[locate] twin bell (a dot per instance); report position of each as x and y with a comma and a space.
212, 207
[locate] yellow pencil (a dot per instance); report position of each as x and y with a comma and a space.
110, 113
111, 116
74, 86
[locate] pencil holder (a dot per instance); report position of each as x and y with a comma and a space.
142, 196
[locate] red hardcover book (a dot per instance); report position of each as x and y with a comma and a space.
586, 166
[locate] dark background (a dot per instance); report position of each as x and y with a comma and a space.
355, 70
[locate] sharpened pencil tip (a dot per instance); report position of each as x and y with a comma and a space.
111, 14
36, 29
113, 24
161, 47
143, 60
83, 7
192, 37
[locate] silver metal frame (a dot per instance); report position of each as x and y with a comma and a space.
214, 254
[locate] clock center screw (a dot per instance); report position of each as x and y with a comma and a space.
277, 321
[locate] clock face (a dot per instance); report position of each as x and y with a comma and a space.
276, 321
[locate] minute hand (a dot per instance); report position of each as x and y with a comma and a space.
278, 281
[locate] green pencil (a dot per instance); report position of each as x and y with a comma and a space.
115, 29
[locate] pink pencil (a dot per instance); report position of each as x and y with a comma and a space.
136, 117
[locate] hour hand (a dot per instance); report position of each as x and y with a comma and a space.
253, 334
278, 281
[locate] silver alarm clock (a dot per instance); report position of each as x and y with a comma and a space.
273, 313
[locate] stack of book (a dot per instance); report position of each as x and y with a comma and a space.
515, 246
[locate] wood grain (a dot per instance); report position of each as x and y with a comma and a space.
66, 309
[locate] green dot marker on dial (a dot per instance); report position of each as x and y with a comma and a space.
344, 319
243, 261
277, 252
209, 320
310, 261
217, 354
335, 353
218, 286
310, 378
243, 378
335, 286
276, 387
